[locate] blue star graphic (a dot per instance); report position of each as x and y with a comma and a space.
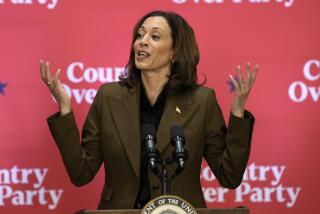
231, 86
2, 85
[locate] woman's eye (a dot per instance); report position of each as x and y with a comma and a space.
139, 35
155, 37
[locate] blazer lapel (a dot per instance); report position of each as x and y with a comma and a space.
125, 109
126, 113
178, 110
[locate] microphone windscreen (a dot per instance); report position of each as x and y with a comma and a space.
175, 131
148, 129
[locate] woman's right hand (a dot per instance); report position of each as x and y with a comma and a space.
55, 87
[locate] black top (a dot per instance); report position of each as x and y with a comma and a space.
148, 115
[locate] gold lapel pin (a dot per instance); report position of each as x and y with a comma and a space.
178, 111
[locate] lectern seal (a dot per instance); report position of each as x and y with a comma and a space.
168, 204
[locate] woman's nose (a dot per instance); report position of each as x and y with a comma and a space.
144, 41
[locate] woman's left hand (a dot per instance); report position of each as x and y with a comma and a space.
242, 88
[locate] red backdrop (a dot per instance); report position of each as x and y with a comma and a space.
89, 41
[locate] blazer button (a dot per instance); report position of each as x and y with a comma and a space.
154, 188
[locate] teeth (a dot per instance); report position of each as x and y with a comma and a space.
143, 54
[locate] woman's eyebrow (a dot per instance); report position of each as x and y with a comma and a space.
153, 28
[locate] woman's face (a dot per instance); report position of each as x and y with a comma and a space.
153, 46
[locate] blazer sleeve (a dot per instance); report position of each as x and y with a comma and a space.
82, 161
227, 149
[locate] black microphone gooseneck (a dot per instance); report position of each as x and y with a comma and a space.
179, 154
149, 139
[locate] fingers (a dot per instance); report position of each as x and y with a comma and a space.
234, 81
47, 71
56, 75
255, 71
42, 70
52, 82
239, 75
248, 79
250, 76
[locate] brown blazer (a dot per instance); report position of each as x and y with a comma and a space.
111, 135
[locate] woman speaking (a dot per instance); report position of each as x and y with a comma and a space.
159, 88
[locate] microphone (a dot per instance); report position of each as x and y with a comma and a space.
148, 135
179, 154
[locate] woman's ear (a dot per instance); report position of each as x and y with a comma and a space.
172, 59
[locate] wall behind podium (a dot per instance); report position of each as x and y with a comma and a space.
90, 40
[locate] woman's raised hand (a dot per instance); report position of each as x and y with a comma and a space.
242, 87
55, 87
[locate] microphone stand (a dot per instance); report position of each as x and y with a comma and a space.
164, 177
179, 155
166, 182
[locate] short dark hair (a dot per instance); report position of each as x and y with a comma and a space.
183, 75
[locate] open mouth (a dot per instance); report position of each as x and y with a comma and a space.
142, 54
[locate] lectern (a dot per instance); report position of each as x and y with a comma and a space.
199, 211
